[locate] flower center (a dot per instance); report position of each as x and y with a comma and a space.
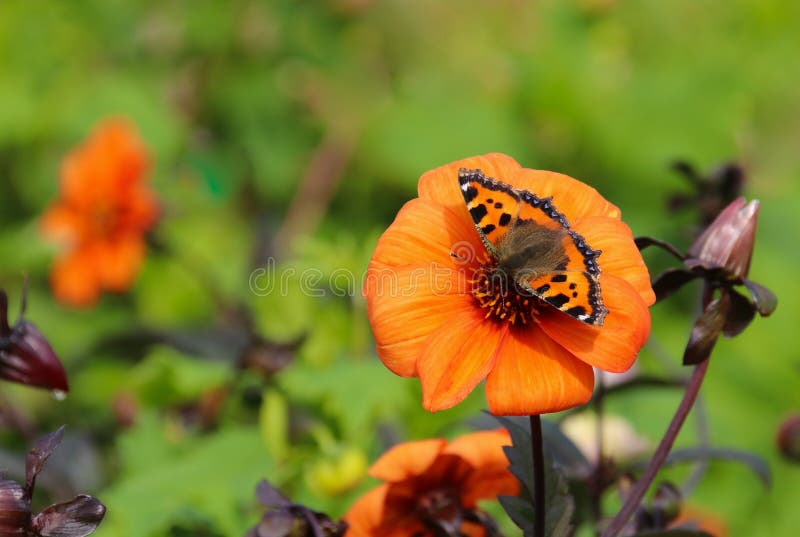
501, 297
103, 220
440, 507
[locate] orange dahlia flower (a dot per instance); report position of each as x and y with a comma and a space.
576, 295
431, 484
100, 218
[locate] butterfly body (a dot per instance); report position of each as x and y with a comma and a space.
533, 247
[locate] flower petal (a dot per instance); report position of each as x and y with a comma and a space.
406, 304
535, 375
573, 198
425, 231
119, 261
491, 476
364, 516
407, 460
620, 255
441, 184
63, 225
613, 346
74, 278
457, 356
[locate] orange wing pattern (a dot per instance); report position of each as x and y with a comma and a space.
497, 207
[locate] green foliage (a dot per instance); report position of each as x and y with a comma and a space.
236, 100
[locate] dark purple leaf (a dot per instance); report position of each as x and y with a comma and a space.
687, 170
276, 524
76, 518
740, 314
270, 496
671, 280
565, 453
15, 509
706, 330
559, 504
646, 242
765, 300
667, 501
5, 329
677, 532
758, 465
38, 455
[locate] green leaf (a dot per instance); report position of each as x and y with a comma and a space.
215, 475
377, 395
273, 421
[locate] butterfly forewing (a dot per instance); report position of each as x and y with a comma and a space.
492, 204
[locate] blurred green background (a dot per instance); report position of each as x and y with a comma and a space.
296, 130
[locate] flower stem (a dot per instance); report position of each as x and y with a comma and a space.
537, 451
664, 447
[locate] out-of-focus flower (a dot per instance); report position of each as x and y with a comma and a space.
712, 192
431, 488
101, 216
789, 438
338, 474
620, 440
283, 518
442, 309
721, 257
695, 518
75, 518
26, 356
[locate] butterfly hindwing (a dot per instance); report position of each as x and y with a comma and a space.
575, 293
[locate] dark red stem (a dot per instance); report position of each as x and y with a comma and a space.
639, 490
537, 451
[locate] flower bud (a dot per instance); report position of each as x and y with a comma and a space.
15, 508
727, 243
339, 474
789, 438
26, 356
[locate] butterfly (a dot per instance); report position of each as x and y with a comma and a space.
532, 243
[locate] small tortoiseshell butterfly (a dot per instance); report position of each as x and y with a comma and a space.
532, 244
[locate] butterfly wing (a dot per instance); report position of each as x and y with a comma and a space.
496, 208
576, 293
493, 205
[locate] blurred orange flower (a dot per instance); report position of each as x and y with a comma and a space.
695, 518
434, 317
431, 484
100, 218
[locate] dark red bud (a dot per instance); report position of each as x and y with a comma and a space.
15, 509
706, 330
26, 357
789, 438
727, 243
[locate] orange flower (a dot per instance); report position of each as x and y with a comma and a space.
430, 484
692, 517
102, 214
431, 320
